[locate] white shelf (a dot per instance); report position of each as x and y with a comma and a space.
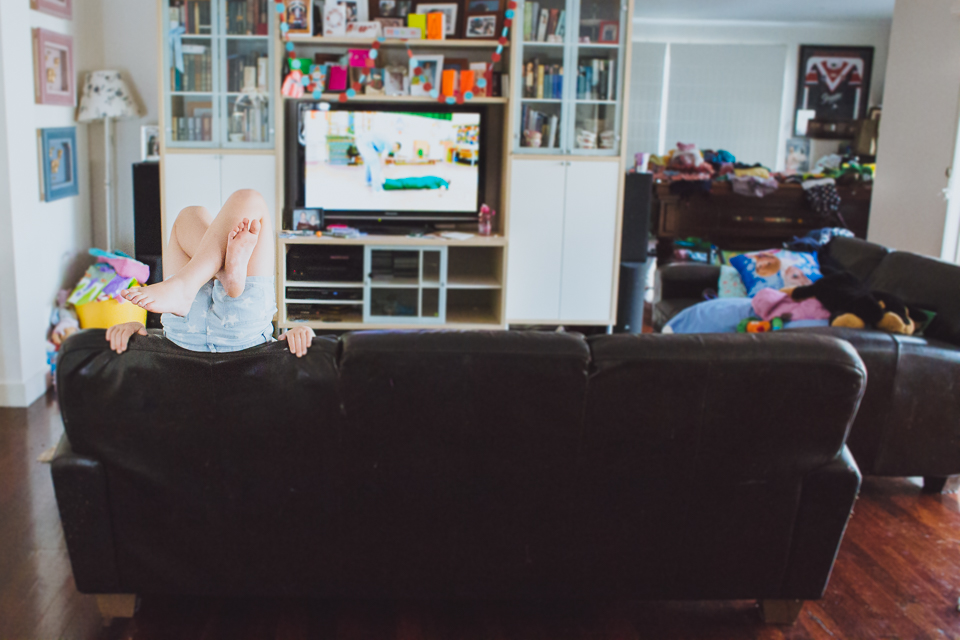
472, 282
326, 285
331, 302
551, 100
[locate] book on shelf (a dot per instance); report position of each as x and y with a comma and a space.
542, 24
596, 79
540, 126
197, 72
194, 15
191, 129
247, 17
542, 81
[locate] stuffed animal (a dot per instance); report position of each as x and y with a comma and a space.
852, 305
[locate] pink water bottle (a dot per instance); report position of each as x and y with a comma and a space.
486, 220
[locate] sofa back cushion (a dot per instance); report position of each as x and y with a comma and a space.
458, 448
707, 470
202, 448
859, 257
927, 283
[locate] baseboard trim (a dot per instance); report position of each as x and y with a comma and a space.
23, 394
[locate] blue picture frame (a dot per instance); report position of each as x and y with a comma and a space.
58, 163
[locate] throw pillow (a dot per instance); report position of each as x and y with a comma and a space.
776, 268
730, 284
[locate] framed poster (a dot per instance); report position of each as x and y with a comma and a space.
58, 163
299, 18
59, 8
432, 67
53, 77
833, 83
150, 143
484, 19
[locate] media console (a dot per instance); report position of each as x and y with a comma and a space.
379, 282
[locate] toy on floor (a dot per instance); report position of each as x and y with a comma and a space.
756, 325
852, 305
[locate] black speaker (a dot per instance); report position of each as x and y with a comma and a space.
630, 302
147, 232
637, 195
147, 235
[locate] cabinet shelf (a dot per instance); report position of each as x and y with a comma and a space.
473, 282
367, 42
318, 301
325, 285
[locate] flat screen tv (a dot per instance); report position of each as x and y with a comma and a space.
371, 162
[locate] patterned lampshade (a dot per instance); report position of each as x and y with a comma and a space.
106, 95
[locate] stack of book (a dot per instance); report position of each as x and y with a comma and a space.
247, 17
194, 15
543, 24
596, 79
539, 126
194, 129
247, 71
542, 81
197, 69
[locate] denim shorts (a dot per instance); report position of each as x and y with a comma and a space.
218, 323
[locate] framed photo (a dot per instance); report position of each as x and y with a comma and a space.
299, 17
150, 143
307, 220
449, 9
798, 156
357, 10
609, 32
58, 163
481, 26
483, 6
53, 79
386, 8
403, 8
432, 66
395, 81
833, 83
59, 8
375, 84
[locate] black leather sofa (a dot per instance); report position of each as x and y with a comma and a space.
489, 465
909, 421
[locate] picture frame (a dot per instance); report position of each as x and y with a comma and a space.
334, 20
306, 220
150, 143
299, 15
396, 81
403, 9
449, 9
58, 163
356, 10
481, 26
432, 66
798, 156
375, 82
609, 32
833, 84
59, 8
54, 78
386, 8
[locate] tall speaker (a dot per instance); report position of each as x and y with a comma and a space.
637, 194
147, 234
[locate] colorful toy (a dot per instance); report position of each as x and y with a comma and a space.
756, 325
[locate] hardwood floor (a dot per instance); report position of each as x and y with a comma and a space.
897, 576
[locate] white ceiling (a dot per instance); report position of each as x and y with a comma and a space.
765, 10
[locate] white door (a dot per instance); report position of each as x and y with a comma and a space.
249, 171
589, 242
536, 241
189, 179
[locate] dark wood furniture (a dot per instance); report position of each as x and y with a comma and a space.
733, 221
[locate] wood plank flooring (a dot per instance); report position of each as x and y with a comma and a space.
897, 576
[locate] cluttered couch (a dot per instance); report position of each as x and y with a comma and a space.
460, 465
909, 421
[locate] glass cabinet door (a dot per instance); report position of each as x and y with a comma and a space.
541, 74
191, 63
596, 98
248, 73
569, 71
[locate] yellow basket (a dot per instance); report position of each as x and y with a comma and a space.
103, 315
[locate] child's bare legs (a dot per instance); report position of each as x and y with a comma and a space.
228, 248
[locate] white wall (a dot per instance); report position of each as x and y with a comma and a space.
787, 34
43, 244
918, 130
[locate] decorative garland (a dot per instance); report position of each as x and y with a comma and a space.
307, 82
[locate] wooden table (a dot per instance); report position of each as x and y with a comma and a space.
733, 221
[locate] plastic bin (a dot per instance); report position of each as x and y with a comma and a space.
102, 315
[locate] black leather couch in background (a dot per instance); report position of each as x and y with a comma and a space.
460, 465
909, 421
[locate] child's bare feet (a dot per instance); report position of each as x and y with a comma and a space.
170, 296
240, 245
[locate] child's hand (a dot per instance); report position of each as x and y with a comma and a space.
299, 340
119, 334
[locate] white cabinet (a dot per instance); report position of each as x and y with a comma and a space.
208, 179
563, 235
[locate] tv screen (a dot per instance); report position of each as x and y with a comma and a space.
392, 162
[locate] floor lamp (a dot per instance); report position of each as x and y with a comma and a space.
106, 96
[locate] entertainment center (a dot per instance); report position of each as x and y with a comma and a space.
411, 171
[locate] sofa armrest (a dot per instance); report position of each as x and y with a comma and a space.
826, 503
685, 280
80, 484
